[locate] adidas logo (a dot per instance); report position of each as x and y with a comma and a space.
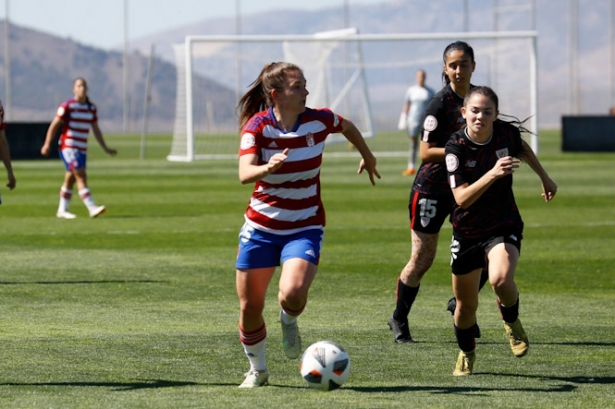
310, 253
273, 145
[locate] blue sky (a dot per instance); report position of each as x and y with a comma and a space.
100, 23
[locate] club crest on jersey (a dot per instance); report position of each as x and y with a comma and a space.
247, 141
430, 123
452, 163
310, 139
500, 153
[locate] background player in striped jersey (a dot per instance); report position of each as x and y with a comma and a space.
76, 116
281, 153
431, 199
487, 226
5, 153
412, 115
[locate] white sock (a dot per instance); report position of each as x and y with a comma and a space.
287, 319
65, 196
256, 355
86, 196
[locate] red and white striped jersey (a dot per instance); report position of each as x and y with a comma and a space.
288, 201
77, 120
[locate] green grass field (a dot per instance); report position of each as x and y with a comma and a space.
137, 309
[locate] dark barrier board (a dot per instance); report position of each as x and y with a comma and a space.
27, 138
588, 133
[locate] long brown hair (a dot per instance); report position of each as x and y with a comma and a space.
258, 96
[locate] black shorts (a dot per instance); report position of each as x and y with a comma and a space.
428, 212
468, 255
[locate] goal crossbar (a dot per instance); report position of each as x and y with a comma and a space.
358, 37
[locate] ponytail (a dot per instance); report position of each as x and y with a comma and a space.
258, 97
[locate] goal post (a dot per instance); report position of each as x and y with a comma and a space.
359, 76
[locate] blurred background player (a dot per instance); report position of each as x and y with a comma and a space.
412, 114
431, 199
281, 148
487, 226
5, 153
76, 116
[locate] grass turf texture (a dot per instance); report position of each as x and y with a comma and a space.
138, 307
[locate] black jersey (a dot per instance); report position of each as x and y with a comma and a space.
466, 162
442, 119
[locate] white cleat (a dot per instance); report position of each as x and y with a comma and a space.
65, 215
255, 378
97, 211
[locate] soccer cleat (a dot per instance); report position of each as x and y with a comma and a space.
62, 214
255, 378
401, 331
450, 307
97, 211
291, 339
408, 172
519, 342
465, 363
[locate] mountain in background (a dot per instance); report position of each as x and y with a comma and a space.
556, 93
44, 67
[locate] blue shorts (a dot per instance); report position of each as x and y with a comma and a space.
258, 249
72, 158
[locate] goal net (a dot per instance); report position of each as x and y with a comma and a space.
359, 76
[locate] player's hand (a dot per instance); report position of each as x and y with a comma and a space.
45, 150
276, 161
549, 189
12, 182
369, 164
505, 166
111, 151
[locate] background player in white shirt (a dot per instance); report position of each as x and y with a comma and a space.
413, 112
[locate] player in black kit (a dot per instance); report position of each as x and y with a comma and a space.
487, 226
431, 199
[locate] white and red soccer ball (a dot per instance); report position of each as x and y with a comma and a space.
325, 366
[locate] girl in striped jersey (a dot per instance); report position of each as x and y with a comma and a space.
281, 152
77, 116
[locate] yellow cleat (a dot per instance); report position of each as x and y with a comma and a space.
465, 363
517, 338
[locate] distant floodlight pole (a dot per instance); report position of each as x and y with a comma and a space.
466, 16
126, 69
238, 51
612, 63
572, 54
7, 63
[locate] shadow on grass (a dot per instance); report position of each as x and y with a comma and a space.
446, 390
117, 386
580, 380
83, 282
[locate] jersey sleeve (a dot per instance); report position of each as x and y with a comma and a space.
433, 124
250, 136
454, 157
62, 110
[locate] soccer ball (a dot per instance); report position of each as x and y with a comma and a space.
325, 366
